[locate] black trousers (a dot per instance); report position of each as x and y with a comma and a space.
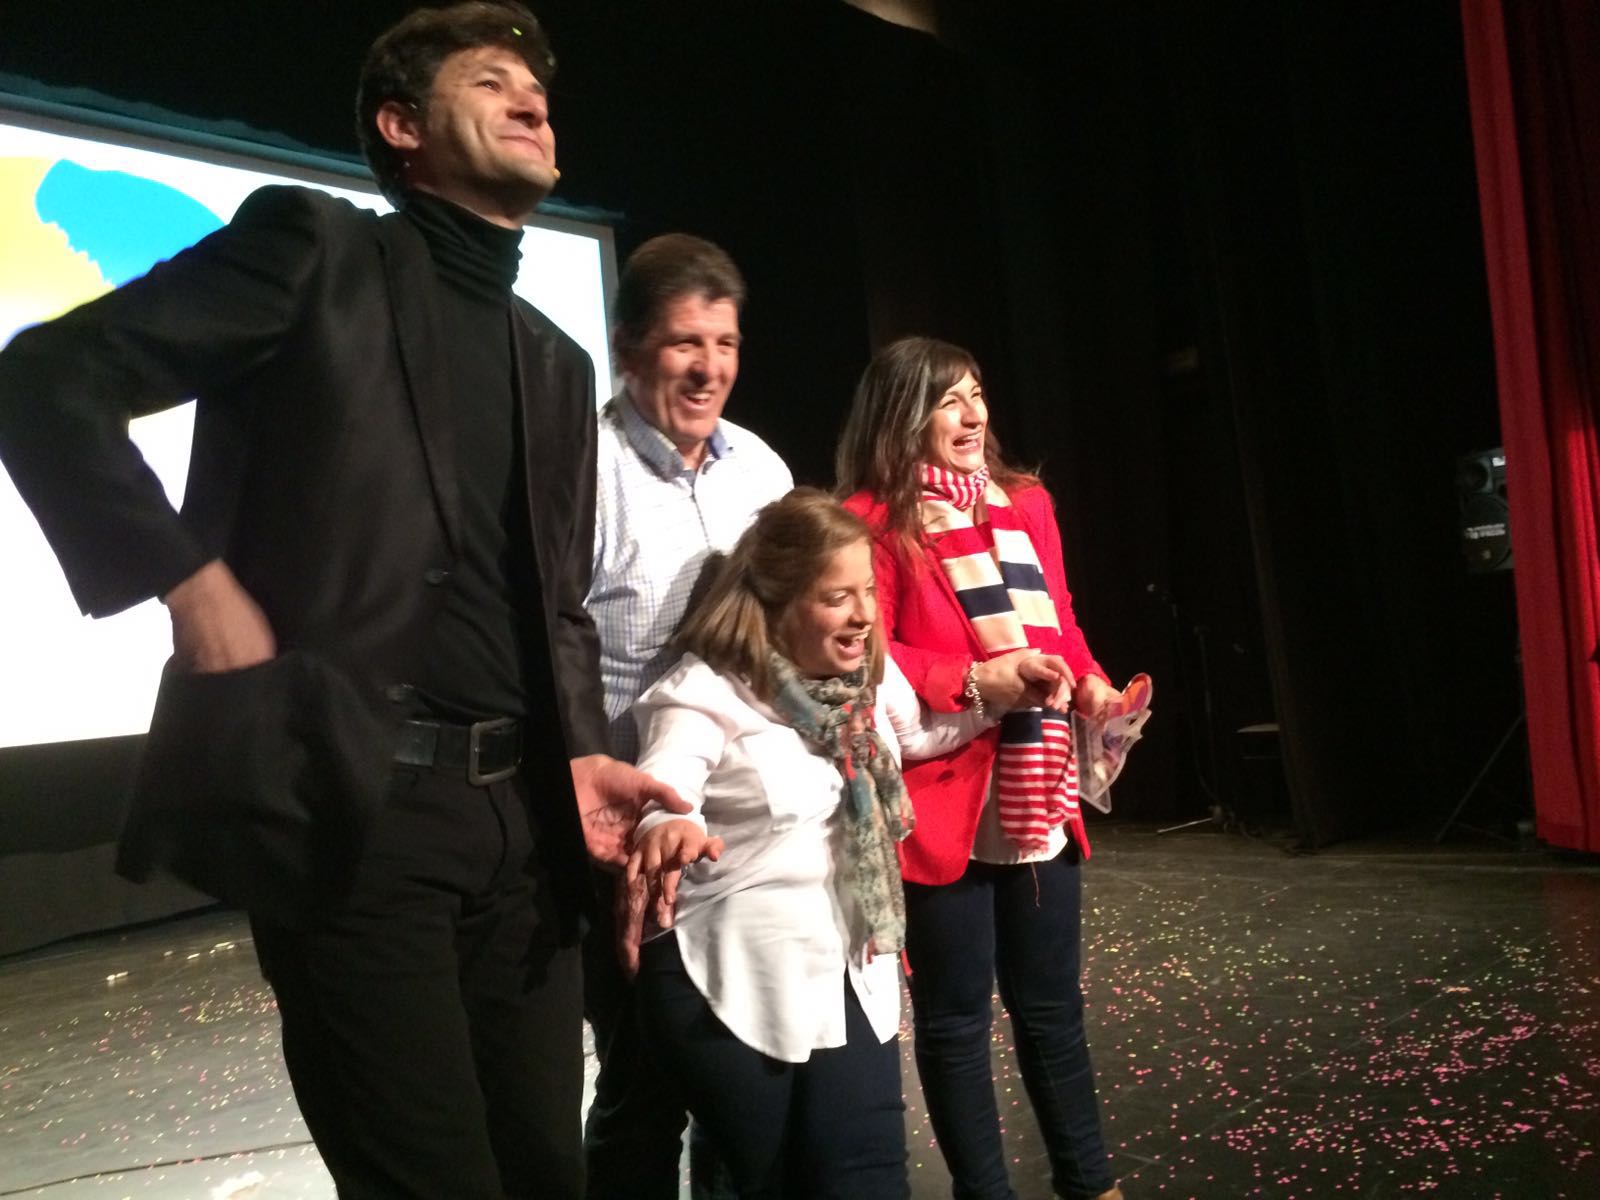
432, 1023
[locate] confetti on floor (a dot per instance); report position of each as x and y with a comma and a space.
1374, 1021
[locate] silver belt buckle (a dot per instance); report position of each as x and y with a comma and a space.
475, 734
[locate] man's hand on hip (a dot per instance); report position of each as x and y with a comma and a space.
216, 625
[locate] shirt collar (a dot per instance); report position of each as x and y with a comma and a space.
655, 447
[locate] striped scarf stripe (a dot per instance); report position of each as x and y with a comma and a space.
991, 564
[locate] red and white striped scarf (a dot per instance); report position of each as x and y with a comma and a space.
990, 561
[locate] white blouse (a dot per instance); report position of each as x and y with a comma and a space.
767, 932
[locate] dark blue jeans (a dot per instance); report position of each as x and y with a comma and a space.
1021, 925
830, 1128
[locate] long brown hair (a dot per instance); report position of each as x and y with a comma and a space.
774, 564
884, 442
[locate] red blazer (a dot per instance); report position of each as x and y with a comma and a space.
934, 644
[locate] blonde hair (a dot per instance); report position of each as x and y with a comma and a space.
774, 564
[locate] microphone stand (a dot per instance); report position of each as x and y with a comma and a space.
1480, 780
1217, 813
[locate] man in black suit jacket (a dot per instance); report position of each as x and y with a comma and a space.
381, 729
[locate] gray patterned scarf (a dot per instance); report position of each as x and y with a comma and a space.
834, 715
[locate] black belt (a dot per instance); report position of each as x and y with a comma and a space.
487, 751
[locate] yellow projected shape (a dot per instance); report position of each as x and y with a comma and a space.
41, 275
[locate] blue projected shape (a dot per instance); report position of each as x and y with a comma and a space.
125, 224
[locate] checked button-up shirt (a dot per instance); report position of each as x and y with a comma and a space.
656, 522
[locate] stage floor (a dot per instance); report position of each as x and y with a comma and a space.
1377, 1021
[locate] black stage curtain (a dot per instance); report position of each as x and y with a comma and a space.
1328, 169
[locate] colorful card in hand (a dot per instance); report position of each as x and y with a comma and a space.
1103, 743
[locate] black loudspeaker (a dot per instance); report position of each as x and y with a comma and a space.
1485, 517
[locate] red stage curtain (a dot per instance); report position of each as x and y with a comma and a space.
1532, 71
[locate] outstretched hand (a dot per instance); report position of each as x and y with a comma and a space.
611, 795
654, 868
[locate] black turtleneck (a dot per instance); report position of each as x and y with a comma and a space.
473, 256
473, 664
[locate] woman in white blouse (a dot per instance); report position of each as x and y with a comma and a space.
774, 998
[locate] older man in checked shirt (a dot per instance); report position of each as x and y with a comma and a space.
675, 483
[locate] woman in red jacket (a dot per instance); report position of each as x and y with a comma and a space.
970, 579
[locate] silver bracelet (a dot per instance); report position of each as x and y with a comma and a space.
970, 692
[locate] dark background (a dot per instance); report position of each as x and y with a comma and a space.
1221, 264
